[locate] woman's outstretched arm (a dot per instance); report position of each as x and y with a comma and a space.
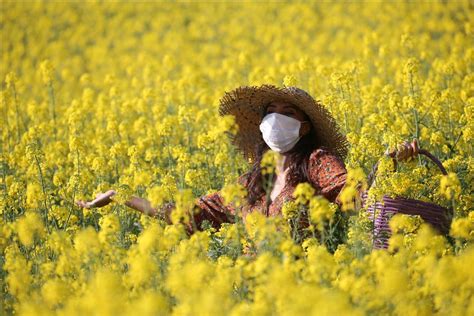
137, 203
210, 207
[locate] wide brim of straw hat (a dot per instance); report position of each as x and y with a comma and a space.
247, 103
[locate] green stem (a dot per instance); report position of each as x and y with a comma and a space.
7, 124
43, 187
53, 106
169, 152
412, 88
453, 205
208, 168
5, 195
268, 186
323, 237
451, 128
73, 192
417, 130
17, 114
417, 126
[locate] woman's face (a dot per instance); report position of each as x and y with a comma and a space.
292, 111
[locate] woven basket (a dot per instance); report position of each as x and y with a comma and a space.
381, 213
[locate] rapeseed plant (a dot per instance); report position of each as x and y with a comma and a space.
123, 95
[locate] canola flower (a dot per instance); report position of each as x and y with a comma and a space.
101, 95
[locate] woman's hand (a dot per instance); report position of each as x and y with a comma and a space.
100, 200
405, 151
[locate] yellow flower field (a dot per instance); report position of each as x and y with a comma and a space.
125, 95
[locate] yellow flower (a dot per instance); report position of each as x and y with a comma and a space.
289, 81
142, 268
11, 80
303, 193
463, 227
184, 207
289, 209
46, 71
450, 186
54, 292
29, 226
18, 278
109, 228
321, 211
342, 254
268, 162
142, 178
157, 195
195, 177
401, 223
349, 196
104, 286
87, 242
235, 194
149, 303
34, 195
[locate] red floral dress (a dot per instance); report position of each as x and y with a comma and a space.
327, 175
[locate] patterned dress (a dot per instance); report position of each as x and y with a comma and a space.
327, 174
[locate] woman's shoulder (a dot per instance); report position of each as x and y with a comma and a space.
325, 166
323, 153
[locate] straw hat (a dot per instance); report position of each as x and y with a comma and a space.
247, 104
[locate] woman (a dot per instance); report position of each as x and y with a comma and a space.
286, 120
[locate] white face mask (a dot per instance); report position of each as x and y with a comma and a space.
280, 132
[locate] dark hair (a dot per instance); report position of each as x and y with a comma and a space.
297, 157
